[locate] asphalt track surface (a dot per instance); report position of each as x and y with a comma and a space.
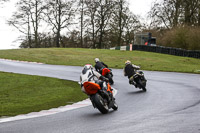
170, 105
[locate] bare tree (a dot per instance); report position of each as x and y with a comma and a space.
166, 13
104, 13
171, 13
121, 8
99, 13
132, 25
23, 20
119, 19
198, 15
81, 4
27, 18
91, 12
59, 14
36, 17
191, 11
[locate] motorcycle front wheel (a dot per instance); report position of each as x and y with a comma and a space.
100, 104
143, 86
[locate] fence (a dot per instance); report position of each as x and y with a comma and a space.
163, 50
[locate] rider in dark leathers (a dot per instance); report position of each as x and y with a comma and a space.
130, 70
99, 66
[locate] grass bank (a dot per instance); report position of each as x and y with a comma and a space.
21, 94
114, 58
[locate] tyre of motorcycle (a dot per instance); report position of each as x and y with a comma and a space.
143, 86
100, 103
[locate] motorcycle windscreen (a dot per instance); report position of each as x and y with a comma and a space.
91, 88
105, 71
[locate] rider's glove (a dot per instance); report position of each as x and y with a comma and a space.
104, 78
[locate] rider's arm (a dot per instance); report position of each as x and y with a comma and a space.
99, 76
136, 67
105, 65
104, 78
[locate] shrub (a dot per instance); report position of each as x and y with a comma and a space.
194, 39
182, 37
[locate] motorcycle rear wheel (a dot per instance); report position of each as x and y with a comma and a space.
143, 86
100, 104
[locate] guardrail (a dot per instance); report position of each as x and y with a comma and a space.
162, 49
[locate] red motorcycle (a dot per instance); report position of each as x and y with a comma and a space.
107, 72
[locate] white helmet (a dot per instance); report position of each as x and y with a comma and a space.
127, 62
96, 59
88, 66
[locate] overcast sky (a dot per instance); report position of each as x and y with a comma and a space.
8, 34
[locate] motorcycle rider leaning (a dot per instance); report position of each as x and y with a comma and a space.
99, 66
130, 71
89, 74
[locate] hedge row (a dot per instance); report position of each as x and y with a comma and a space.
164, 50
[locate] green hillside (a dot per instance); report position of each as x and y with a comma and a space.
114, 58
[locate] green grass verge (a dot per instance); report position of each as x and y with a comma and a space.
21, 94
114, 58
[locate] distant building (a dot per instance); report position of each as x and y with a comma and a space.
144, 39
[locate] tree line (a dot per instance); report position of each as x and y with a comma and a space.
74, 23
104, 23
177, 23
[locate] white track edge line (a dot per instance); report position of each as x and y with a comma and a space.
52, 111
